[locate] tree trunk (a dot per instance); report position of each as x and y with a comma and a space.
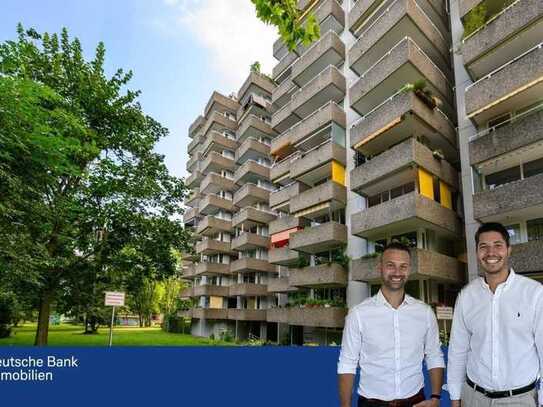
42, 331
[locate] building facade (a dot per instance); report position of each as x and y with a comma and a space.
407, 120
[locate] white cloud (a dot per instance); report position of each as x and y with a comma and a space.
231, 32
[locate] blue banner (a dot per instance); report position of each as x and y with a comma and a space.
185, 376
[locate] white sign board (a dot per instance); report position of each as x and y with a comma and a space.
115, 299
444, 312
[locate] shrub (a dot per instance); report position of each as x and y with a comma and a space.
475, 19
8, 312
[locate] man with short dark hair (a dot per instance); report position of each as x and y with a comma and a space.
496, 346
388, 336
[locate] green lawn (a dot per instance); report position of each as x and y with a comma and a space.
71, 335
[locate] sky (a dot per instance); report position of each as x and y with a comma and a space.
179, 50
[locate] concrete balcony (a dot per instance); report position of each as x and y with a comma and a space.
219, 122
285, 223
211, 204
523, 197
258, 81
527, 257
187, 313
280, 285
284, 118
405, 213
424, 264
280, 170
248, 290
514, 30
220, 103
318, 200
328, 50
251, 171
247, 314
329, 113
279, 315
329, 85
215, 162
190, 216
254, 127
330, 16
521, 132
210, 246
193, 200
196, 125
283, 256
210, 313
194, 180
210, 290
217, 142
466, 6
186, 292
282, 69
401, 116
516, 84
211, 226
404, 63
321, 276
250, 241
196, 142
192, 163
398, 166
280, 199
404, 18
189, 272
211, 269
250, 265
311, 166
281, 94
249, 217
319, 238
214, 183
317, 317
252, 149
250, 195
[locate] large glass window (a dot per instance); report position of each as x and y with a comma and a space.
535, 229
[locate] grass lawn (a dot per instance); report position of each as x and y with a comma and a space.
71, 335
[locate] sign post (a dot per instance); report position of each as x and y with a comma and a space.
444, 313
113, 299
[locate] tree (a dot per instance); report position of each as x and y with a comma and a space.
285, 15
79, 179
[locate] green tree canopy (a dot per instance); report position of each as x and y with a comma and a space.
79, 178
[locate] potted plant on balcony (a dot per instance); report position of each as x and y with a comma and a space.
420, 89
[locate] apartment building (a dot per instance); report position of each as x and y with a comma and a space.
229, 213
408, 120
498, 59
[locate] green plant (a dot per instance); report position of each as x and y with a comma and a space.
302, 262
444, 337
8, 308
475, 19
255, 67
342, 259
226, 336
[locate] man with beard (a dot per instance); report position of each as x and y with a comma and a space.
496, 347
388, 336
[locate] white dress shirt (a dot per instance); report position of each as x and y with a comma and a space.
497, 339
389, 345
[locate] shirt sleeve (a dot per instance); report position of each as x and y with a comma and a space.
458, 351
350, 345
432, 346
538, 332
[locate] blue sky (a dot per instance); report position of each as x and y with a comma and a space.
179, 50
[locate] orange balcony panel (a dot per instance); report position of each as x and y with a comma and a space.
280, 237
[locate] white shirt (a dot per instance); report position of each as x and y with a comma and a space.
497, 339
389, 345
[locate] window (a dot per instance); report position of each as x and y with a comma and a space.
380, 245
502, 177
533, 168
535, 229
514, 233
